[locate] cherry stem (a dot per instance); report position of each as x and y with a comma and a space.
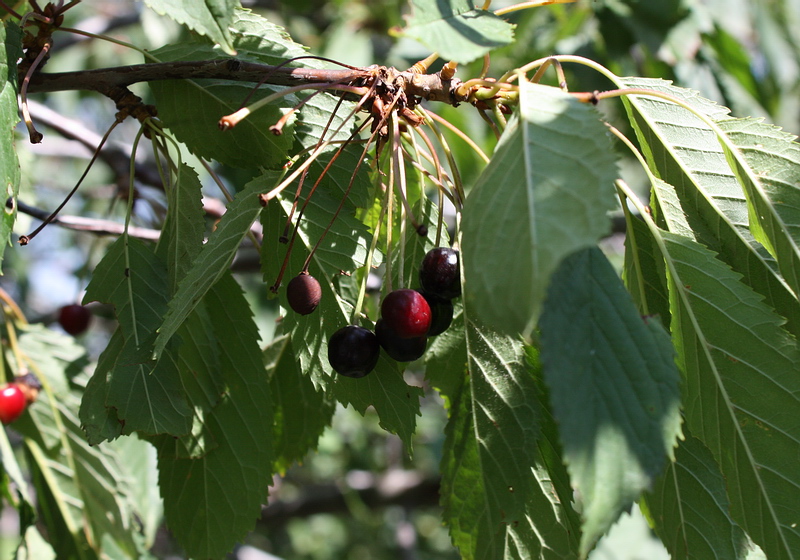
35, 135
471, 143
25, 239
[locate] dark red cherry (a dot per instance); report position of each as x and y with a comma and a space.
399, 349
303, 293
441, 313
407, 313
439, 273
74, 318
353, 351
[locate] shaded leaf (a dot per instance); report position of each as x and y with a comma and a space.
614, 388
301, 411
225, 487
456, 30
496, 492
544, 194
214, 258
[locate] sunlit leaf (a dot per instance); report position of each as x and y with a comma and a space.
208, 17
544, 195
10, 52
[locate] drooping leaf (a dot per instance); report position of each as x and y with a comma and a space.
226, 486
145, 395
211, 18
496, 492
214, 259
10, 52
302, 412
688, 154
614, 388
544, 195
690, 508
456, 30
741, 391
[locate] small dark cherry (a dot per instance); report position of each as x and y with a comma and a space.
12, 403
441, 313
407, 313
439, 273
304, 293
353, 351
399, 349
74, 318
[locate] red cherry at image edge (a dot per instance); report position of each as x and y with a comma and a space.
12, 403
407, 313
74, 318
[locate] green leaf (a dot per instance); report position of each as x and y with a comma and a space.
224, 489
741, 391
192, 108
614, 388
210, 18
146, 395
184, 226
301, 411
456, 30
496, 492
544, 195
686, 152
85, 498
690, 508
10, 52
214, 259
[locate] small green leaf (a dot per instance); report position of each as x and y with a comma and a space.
224, 489
10, 52
456, 30
209, 17
545, 194
614, 387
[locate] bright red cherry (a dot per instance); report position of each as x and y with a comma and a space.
74, 318
12, 403
439, 273
304, 293
407, 313
353, 351
399, 349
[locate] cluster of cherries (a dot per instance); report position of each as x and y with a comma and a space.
408, 318
17, 395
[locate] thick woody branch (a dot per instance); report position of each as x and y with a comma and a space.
104, 80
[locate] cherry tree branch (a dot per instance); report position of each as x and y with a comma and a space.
432, 87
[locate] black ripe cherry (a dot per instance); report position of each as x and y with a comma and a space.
399, 349
407, 313
303, 293
74, 318
353, 351
12, 403
441, 313
439, 273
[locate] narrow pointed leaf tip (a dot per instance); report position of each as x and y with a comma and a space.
545, 194
614, 387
